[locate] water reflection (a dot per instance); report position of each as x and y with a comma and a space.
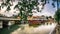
42, 29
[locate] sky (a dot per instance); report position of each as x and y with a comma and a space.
47, 11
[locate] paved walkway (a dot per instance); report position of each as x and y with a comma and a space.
42, 29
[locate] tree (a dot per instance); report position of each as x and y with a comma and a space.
50, 17
46, 17
57, 16
24, 6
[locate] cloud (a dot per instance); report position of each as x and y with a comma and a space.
48, 10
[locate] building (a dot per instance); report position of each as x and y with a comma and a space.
40, 20
37, 20
4, 22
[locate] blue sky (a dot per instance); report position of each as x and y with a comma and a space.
48, 10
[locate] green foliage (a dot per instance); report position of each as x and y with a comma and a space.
26, 6
50, 16
0, 7
8, 8
42, 0
3, 4
56, 0
7, 4
57, 15
59, 0
12, 29
53, 5
7, 1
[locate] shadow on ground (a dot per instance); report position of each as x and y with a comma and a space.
8, 31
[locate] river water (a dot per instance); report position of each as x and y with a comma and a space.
42, 29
